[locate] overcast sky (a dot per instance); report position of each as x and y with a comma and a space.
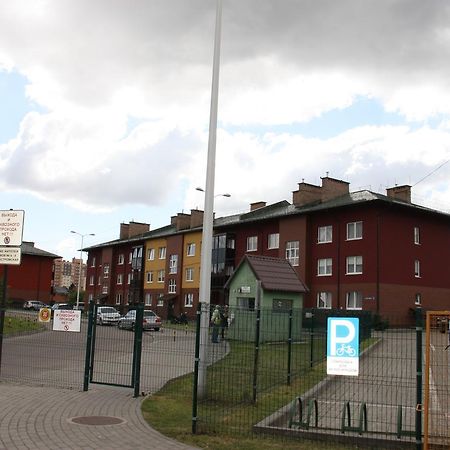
104, 106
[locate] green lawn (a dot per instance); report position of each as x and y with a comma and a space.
227, 415
17, 325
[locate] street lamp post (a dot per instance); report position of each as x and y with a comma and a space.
217, 195
81, 262
208, 215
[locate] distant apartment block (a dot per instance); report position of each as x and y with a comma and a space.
67, 273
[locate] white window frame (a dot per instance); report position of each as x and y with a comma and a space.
91, 280
252, 243
148, 299
130, 258
118, 298
99, 280
417, 235
324, 300
172, 289
162, 253
324, 267
188, 300
273, 241
149, 276
120, 259
293, 252
93, 262
161, 275
418, 299
190, 249
354, 230
189, 274
417, 268
353, 297
173, 264
106, 271
150, 254
160, 301
91, 297
354, 265
119, 278
105, 289
129, 278
325, 234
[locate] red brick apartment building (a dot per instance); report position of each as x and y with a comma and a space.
353, 250
33, 278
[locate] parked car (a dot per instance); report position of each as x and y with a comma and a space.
34, 305
151, 320
62, 306
107, 315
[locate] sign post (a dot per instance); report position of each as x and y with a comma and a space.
343, 346
11, 231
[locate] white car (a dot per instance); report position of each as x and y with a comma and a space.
151, 321
107, 315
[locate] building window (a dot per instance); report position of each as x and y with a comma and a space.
129, 278
417, 268
189, 274
91, 297
173, 263
354, 230
292, 252
325, 234
119, 278
418, 299
281, 305
324, 267
148, 299
105, 289
354, 265
118, 299
416, 235
149, 277
99, 280
160, 301
130, 258
252, 243
128, 298
161, 276
324, 300
93, 262
106, 271
273, 241
190, 249
189, 300
91, 280
354, 300
120, 259
246, 303
162, 253
151, 254
172, 286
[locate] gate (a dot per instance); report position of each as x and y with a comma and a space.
437, 382
113, 356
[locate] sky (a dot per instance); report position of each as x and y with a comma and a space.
104, 107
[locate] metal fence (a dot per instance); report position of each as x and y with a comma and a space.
280, 386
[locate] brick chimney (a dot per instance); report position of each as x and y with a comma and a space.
402, 193
196, 218
310, 193
133, 229
257, 205
183, 221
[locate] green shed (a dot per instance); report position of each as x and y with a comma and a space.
271, 285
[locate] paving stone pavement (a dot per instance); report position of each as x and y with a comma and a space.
33, 417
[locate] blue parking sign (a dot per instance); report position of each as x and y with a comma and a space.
343, 346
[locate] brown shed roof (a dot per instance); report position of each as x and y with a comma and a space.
275, 274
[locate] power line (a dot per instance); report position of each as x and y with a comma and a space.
431, 173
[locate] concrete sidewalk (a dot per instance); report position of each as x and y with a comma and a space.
34, 417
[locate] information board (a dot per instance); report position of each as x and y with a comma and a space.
11, 227
66, 320
10, 255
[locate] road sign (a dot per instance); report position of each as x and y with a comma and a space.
44, 315
10, 255
343, 346
11, 227
67, 320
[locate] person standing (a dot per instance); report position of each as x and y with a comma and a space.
224, 321
215, 322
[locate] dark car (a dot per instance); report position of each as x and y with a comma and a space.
34, 305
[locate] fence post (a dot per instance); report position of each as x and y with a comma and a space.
311, 341
419, 329
197, 359
289, 362
93, 337
256, 357
87, 360
137, 351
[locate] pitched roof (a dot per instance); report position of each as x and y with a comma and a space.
275, 274
28, 248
